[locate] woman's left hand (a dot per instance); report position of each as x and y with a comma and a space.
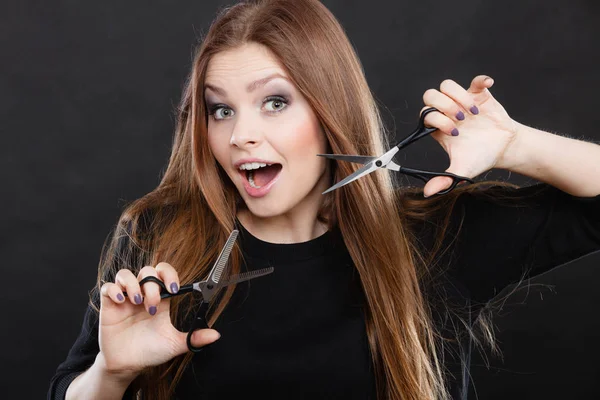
484, 131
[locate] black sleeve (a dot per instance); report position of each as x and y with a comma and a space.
538, 228
81, 356
85, 349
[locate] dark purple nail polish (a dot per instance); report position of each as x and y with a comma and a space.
174, 288
460, 116
474, 110
120, 297
137, 299
152, 310
454, 132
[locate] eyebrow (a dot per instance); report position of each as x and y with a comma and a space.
251, 87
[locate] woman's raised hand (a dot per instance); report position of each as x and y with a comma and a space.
136, 332
473, 128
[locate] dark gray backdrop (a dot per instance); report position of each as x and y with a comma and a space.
87, 91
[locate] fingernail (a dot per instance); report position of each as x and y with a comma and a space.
174, 288
152, 310
460, 116
137, 299
120, 297
474, 110
488, 81
454, 132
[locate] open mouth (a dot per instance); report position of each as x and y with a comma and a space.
260, 174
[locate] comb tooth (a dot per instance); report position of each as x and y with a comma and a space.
259, 271
245, 276
249, 274
223, 260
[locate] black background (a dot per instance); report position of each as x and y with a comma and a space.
87, 91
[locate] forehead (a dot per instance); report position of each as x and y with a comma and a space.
250, 61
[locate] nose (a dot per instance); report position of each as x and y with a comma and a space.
246, 134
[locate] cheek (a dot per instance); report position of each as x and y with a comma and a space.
218, 147
306, 135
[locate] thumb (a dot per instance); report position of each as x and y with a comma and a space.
440, 183
436, 185
200, 338
480, 83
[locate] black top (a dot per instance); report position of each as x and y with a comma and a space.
299, 332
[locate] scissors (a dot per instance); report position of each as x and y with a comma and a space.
208, 287
385, 161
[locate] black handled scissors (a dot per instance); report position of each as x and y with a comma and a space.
209, 287
385, 161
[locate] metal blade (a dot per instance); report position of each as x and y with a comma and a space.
393, 166
370, 167
246, 276
349, 158
217, 270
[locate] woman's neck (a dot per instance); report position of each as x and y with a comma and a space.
282, 228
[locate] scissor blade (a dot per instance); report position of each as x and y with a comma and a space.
393, 166
370, 167
217, 270
349, 158
246, 276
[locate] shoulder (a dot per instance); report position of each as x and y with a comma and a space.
437, 223
474, 199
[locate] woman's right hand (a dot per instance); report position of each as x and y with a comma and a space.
136, 332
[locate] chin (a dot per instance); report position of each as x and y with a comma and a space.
266, 209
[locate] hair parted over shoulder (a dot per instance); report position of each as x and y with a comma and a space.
187, 218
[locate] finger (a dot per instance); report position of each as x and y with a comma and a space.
439, 183
459, 95
150, 290
480, 84
441, 122
169, 276
111, 293
199, 338
202, 337
434, 98
436, 185
129, 283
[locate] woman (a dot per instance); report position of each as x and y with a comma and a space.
370, 282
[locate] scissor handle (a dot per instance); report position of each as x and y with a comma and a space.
426, 176
420, 131
200, 320
198, 323
164, 293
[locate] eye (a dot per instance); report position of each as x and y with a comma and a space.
220, 111
276, 103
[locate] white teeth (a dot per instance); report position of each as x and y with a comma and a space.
251, 181
252, 165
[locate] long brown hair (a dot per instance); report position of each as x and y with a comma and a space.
188, 217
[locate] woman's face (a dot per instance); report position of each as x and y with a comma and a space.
264, 134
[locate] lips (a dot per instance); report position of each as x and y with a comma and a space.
252, 160
258, 182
